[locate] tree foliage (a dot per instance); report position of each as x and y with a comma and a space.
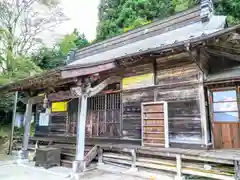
49, 58
230, 8
118, 16
22, 22
72, 41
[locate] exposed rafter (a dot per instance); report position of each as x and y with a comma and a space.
215, 52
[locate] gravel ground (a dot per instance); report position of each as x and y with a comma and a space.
10, 170
14, 171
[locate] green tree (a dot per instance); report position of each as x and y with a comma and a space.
81, 40
230, 8
72, 41
118, 16
181, 5
49, 58
22, 22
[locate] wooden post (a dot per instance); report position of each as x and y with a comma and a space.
100, 156
179, 168
134, 160
237, 169
202, 100
79, 164
83, 92
13, 123
27, 127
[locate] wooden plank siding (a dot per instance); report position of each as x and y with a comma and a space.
58, 123
178, 85
226, 135
176, 81
131, 115
131, 102
72, 116
40, 130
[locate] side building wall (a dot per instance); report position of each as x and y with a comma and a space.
177, 80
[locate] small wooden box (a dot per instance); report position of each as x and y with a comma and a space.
48, 157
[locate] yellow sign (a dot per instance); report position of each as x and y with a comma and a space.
138, 81
59, 106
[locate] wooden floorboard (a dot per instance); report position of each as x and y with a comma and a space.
224, 154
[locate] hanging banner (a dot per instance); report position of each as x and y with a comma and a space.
139, 81
59, 106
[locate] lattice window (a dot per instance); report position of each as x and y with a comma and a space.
103, 117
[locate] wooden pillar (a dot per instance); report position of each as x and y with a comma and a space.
202, 100
79, 163
100, 156
237, 169
27, 128
13, 123
84, 91
134, 160
179, 168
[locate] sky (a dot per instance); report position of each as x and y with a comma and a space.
83, 15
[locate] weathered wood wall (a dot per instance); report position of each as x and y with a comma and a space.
40, 130
131, 117
131, 100
178, 85
72, 116
58, 123
175, 79
177, 82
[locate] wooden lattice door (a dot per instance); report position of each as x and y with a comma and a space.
104, 115
155, 124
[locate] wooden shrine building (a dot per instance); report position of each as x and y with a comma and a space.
170, 84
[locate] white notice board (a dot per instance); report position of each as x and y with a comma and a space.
44, 118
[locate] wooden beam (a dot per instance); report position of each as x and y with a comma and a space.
234, 57
91, 155
59, 96
97, 89
87, 70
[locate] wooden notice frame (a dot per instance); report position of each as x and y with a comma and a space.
138, 81
151, 113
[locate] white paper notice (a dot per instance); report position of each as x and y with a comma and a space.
44, 119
